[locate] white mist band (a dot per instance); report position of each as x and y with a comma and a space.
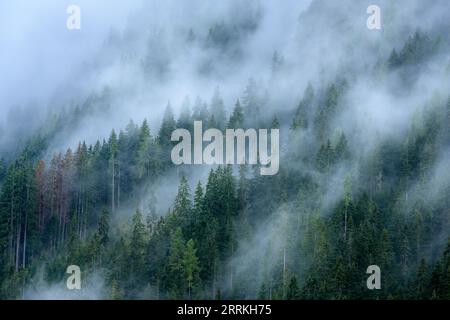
235, 147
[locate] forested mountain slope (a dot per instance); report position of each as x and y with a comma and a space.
363, 179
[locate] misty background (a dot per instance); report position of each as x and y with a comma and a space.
133, 58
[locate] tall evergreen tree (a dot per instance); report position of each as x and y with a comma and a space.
191, 267
218, 109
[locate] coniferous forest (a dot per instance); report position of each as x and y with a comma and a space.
87, 179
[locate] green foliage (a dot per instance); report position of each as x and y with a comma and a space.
309, 232
293, 292
236, 120
301, 115
191, 267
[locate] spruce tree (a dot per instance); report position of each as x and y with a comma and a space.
191, 267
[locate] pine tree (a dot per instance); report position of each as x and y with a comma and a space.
201, 112
342, 151
293, 292
254, 101
209, 249
142, 151
103, 228
182, 209
185, 119
325, 157
275, 122
198, 213
137, 251
176, 275
394, 60
168, 125
327, 111
422, 280
262, 293
218, 109
236, 120
301, 115
113, 148
191, 266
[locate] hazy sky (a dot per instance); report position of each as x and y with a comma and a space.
43, 64
38, 52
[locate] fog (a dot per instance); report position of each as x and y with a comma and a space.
149, 54
42, 62
92, 288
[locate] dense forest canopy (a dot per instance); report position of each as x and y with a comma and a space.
364, 120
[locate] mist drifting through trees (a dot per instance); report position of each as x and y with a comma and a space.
86, 176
